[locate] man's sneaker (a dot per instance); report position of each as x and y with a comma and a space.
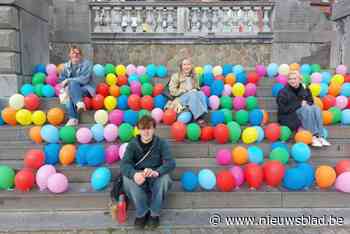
153, 222
140, 222
72, 122
324, 142
81, 107
316, 142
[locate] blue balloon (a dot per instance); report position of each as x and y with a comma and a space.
238, 69
345, 90
122, 102
2, 122
325, 133
326, 77
255, 154
49, 133
279, 144
207, 68
131, 117
256, 117
276, 88
97, 132
345, 116
95, 155
39, 68
241, 78
206, 179
217, 117
217, 87
185, 117
301, 152
101, 178
52, 152
272, 70
309, 172
305, 69
82, 151
261, 133
133, 78
160, 101
151, 70
189, 181
27, 89
99, 70
162, 71
227, 69
324, 90
294, 179
208, 79
48, 91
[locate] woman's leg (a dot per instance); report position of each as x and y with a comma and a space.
75, 92
318, 119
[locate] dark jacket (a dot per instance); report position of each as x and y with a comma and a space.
288, 102
160, 159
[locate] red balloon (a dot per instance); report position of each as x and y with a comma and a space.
147, 103
347, 78
158, 89
134, 102
225, 181
253, 77
207, 133
348, 107
97, 102
88, 102
273, 172
169, 117
219, 77
103, 89
342, 166
25, 180
34, 159
31, 102
254, 175
122, 80
273, 131
178, 131
221, 133
328, 102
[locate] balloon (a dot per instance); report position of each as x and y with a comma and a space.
67, 154
239, 155
24, 117
147, 103
80, 157
206, 179
242, 117
239, 103
122, 80
114, 91
283, 69
27, 89
130, 117
238, 90
206, 90
67, 134
273, 132
273, 173
316, 77
305, 69
276, 88
336, 114
52, 153
101, 178
49, 133
157, 114
110, 103
147, 89
207, 133
160, 101
279, 144
48, 91
253, 174
38, 78
221, 134
309, 172
294, 179
57, 183
279, 154
228, 115
101, 117
130, 69
97, 102
31, 102
217, 117
158, 89
109, 68
116, 117
261, 133
325, 176
16, 101
225, 181
189, 181
169, 117
125, 132
161, 71
238, 174
303, 136
185, 117
97, 132
55, 116
328, 102
217, 87
95, 155
342, 182
234, 131
112, 154
285, 133
84, 135
301, 152
98, 70
24, 180
324, 89
227, 90
151, 70
315, 89
249, 135
193, 131
38, 90
214, 102
255, 155
140, 70
7, 176
223, 157
341, 69
342, 166
341, 102
43, 174
34, 134
34, 159
102, 89
178, 131
272, 70
334, 89
110, 132
134, 102
38, 118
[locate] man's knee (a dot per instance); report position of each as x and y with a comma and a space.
165, 182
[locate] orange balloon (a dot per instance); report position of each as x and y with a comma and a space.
114, 90
60, 68
325, 176
303, 136
67, 154
327, 117
9, 115
230, 79
265, 117
34, 134
294, 67
55, 116
239, 155
334, 89
318, 102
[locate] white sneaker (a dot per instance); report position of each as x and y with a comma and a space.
72, 122
81, 107
324, 142
316, 142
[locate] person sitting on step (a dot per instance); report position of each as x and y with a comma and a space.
145, 168
296, 109
184, 88
76, 80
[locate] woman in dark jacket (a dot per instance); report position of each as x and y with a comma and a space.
296, 109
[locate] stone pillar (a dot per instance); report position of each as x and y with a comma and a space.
23, 41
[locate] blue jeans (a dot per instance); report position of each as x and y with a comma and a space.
311, 119
149, 196
196, 102
75, 93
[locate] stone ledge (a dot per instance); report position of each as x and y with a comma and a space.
8, 84
304, 37
340, 9
10, 62
38, 8
9, 40
8, 17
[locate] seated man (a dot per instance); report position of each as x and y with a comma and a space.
76, 79
145, 167
296, 109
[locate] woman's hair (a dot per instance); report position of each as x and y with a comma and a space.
146, 122
180, 67
75, 47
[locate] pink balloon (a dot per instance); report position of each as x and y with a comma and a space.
51, 69
140, 70
130, 69
227, 90
110, 132
112, 154
57, 183
282, 79
135, 88
342, 183
260, 70
223, 157
238, 103
116, 117
238, 173
206, 90
52, 79
341, 69
341, 102
214, 102
122, 149
57, 89
43, 175
250, 90
157, 114
316, 77
84, 135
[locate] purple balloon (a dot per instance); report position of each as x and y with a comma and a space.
140, 70
341, 69
260, 70
116, 117
223, 157
135, 88
112, 154
157, 114
57, 183
42, 176
130, 69
51, 69
250, 90
238, 174
84, 135
214, 102
227, 90
282, 79
110, 132
239, 103
342, 182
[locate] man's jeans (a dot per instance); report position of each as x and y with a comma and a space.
149, 196
75, 93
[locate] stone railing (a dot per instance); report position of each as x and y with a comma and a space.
180, 18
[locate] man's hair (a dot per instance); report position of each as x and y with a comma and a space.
146, 122
75, 47
295, 73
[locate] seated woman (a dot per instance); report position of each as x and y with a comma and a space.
184, 87
296, 109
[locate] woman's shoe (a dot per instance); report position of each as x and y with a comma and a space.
316, 142
72, 122
324, 142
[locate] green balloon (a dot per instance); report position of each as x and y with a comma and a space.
193, 132
67, 135
228, 115
142, 113
315, 68
336, 114
125, 132
144, 79
38, 78
200, 79
252, 103
226, 102
235, 131
147, 89
7, 177
306, 79
38, 90
285, 133
242, 117
280, 154
109, 68
125, 90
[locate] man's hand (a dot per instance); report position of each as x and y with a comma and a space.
139, 178
64, 83
303, 103
150, 173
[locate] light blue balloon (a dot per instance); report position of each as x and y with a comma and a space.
82, 151
48, 91
326, 77
185, 117
276, 88
160, 101
324, 89
162, 71
217, 117
272, 70
241, 77
345, 90
151, 70
2, 122
206, 179
131, 117
325, 133
261, 133
301, 152
227, 69
294, 179
52, 152
95, 155
122, 102
97, 132
133, 77
189, 181
207, 68
99, 70
256, 117
279, 144
255, 154
305, 69
27, 89
101, 178
217, 87
309, 172
49, 133
345, 116
208, 79
237, 69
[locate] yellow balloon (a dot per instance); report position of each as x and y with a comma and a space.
24, 117
110, 103
217, 70
136, 131
101, 117
283, 69
111, 79
120, 70
238, 90
339, 79
318, 102
198, 70
315, 89
250, 135
38, 117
